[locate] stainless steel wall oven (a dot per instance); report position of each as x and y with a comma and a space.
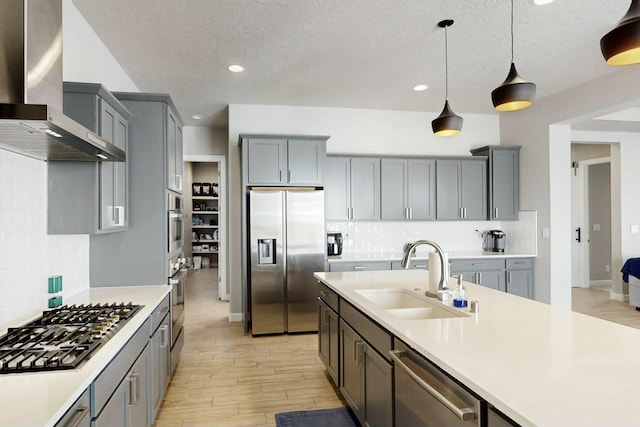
175, 221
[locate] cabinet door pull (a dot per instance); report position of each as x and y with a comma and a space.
133, 389
464, 414
461, 216
324, 294
410, 213
288, 176
164, 336
81, 414
359, 267
420, 266
280, 175
495, 215
508, 277
464, 210
479, 278
360, 352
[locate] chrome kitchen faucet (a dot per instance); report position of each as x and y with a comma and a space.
443, 285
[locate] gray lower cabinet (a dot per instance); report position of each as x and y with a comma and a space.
283, 160
512, 275
486, 272
79, 414
504, 180
95, 193
352, 189
520, 277
160, 366
366, 380
328, 339
461, 189
360, 266
408, 189
419, 264
128, 405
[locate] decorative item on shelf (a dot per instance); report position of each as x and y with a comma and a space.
514, 93
196, 189
214, 189
196, 207
206, 189
216, 235
447, 123
621, 45
205, 248
196, 248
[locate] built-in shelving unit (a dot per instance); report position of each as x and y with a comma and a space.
205, 238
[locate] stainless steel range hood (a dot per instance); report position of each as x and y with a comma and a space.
31, 118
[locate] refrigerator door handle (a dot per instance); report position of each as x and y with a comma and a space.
266, 254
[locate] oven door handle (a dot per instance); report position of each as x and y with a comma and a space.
464, 414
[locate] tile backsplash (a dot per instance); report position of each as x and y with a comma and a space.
452, 236
28, 255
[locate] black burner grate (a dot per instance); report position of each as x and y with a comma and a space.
61, 338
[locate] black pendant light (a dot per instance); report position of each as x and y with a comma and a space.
447, 123
514, 93
621, 46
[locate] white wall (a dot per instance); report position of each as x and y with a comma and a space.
85, 56
28, 255
545, 171
351, 131
198, 140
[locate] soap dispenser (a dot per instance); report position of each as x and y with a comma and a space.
460, 298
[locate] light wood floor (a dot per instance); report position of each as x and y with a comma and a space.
228, 379
595, 302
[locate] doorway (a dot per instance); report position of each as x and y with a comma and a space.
591, 251
206, 201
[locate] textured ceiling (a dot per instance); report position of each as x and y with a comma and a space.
348, 53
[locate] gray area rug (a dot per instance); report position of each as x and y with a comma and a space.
336, 417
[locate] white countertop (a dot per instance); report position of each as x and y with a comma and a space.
397, 256
41, 398
540, 365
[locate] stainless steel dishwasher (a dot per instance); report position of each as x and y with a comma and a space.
425, 396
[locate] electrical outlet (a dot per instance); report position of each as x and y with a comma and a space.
545, 232
607, 268
634, 229
596, 227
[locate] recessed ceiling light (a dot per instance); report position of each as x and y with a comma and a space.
420, 88
197, 117
236, 68
541, 2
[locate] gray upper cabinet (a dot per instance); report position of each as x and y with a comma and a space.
273, 160
461, 189
175, 174
408, 189
337, 185
504, 180
352, 188
90, 198
117, 257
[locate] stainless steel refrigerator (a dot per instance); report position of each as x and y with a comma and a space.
287, 244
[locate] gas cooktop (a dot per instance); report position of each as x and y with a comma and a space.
61, 338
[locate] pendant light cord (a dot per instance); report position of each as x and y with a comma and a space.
511, 31
446, 65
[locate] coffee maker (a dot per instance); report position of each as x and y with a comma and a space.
494, 241
334, 244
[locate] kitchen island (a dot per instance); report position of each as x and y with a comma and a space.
539, 365
42, 398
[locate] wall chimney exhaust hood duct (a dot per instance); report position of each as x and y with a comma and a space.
31, 119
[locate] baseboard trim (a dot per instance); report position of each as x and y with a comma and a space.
600, 282
618, 297
235, 317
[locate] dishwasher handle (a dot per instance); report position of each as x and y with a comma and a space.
465, 414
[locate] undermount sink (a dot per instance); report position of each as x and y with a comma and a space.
408, 305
